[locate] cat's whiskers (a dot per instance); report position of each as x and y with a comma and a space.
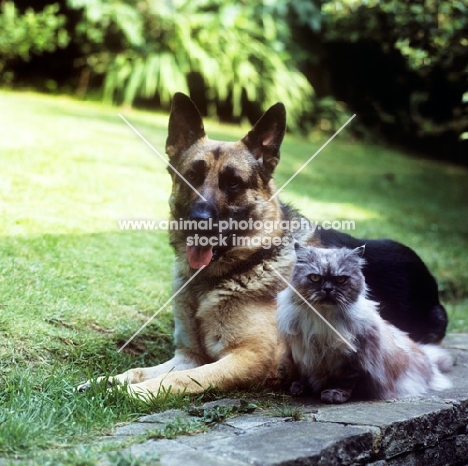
297, 293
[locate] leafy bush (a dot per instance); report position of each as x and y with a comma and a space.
427, 39
30, 33
240, 51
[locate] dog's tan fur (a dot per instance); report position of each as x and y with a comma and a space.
225, 319
228, 339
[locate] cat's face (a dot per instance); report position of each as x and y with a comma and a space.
329, 277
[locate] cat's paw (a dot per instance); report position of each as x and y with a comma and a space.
297, 388
335, 395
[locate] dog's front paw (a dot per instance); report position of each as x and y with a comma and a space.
335, 395
147, 391
140, 393
111, 381
83, 387
163, 385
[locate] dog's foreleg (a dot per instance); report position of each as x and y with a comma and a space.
180, 362
238, 369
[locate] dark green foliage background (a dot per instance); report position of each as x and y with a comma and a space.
401, 65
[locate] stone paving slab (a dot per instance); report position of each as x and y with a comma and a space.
425, 430
293, 441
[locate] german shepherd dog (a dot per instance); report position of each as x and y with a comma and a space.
225, 315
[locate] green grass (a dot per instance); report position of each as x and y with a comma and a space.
73, 288
292, 412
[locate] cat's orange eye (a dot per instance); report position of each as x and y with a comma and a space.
315, 278
340, 280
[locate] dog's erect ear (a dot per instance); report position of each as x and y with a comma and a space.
185, 125
265, 139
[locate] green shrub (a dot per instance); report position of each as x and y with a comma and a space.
22, 35
240, 51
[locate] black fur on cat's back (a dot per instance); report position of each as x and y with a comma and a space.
399, 281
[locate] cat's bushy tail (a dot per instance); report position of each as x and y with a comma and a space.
441, 361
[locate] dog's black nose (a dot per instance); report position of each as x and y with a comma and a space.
202, 211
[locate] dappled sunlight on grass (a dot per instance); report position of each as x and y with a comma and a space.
318, 211
76, 168
74, 288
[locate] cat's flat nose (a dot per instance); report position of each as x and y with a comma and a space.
327, 288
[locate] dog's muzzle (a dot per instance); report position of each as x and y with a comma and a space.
203, 237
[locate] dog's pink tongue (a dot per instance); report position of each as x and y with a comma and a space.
198, 256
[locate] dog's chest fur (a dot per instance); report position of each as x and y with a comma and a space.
235, 308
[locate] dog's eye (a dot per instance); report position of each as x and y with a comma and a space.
233, 183
229, 179
341, 279
314, 278
191, 175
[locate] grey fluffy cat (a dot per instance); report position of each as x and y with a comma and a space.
362, 354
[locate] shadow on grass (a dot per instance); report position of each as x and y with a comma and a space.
77, 298
68, 302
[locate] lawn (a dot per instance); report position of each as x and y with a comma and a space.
74, 288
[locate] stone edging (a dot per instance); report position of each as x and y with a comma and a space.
426, 430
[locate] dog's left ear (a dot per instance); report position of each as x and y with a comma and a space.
185, 125
265, 138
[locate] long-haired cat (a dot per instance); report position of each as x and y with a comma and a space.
352, 350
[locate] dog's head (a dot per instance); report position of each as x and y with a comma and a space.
217, 181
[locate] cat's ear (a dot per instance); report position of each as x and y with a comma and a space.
359, 251
301, 251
